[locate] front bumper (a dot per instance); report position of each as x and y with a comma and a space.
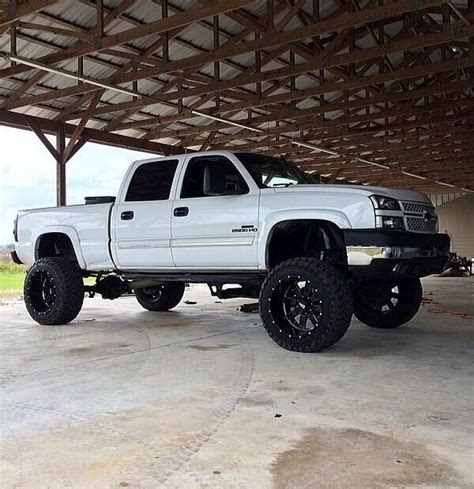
376, 253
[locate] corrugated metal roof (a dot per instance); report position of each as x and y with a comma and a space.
192, 40
82, 14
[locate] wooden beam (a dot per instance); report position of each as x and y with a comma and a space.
344, 133
274, 40
328, 87
85, 36
424, 160
301, 33
35, 127
48, 126
456, 31
99, 25
156, 27
364, 144
82, 124
356, 83
79, 144
334, 175
13, 39
313, 123
310, 114
24, 9
117, 11
291, 112
66, 93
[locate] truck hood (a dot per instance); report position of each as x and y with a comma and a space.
365, 190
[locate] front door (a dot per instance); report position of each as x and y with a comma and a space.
141, 228
214, 231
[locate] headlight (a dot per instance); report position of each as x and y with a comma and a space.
390, 222
385, 203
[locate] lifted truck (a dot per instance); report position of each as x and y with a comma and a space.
313, 254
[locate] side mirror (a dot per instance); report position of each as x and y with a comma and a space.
214, 180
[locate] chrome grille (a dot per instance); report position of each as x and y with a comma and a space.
420, 225
417, 208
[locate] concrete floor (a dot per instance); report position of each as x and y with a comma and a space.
200, 397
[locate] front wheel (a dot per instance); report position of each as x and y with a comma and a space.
305, 304
54, 290
160, 297
387, 304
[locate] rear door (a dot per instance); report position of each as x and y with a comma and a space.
217, 231
141, 221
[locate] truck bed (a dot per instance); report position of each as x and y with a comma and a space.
86, 225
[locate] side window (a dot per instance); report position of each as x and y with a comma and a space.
152, 181
193, 182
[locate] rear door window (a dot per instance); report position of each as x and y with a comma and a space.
152, 181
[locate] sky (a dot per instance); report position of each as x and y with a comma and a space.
28, 174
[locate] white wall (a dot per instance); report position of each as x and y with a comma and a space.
457, 219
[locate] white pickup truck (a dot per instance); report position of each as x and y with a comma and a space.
313, 254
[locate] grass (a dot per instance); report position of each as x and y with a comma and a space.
11, 277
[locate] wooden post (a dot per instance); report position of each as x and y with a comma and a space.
164, 15
217, 71
58, 154
99, 22
60, 166
13, 43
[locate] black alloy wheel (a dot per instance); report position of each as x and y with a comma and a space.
381, 300
54, 290
385, 304
152, 295
161, 297
305, 304
296, 305
42, 291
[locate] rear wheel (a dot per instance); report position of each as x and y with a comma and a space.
160, 297
305, 304
54, 290
387, 304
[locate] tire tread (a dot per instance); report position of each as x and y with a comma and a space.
172, 294
340, 311
70, 289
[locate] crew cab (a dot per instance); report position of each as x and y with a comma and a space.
248, 225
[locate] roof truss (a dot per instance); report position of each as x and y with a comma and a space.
370, 80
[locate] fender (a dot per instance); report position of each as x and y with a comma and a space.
70, 232
336, 217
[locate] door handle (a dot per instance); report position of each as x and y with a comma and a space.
127, 215
181, 211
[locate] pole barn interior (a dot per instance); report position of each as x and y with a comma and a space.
355, 92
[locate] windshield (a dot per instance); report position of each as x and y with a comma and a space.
273, 172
